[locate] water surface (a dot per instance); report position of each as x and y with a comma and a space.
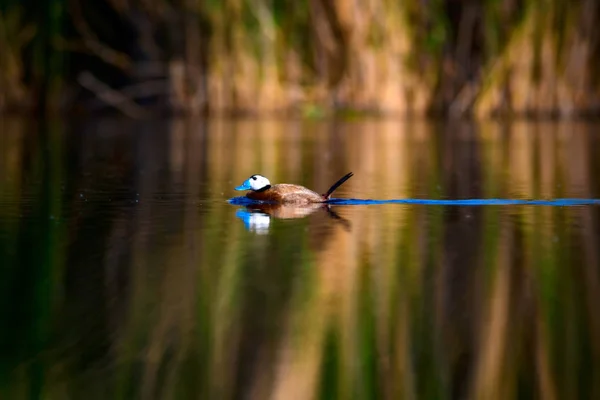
126, 273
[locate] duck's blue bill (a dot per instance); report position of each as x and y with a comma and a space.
244, 186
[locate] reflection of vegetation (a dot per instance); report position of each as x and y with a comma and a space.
171, 297
256, 55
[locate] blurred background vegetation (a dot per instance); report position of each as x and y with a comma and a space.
456, 57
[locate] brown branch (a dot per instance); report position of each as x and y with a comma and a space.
99, 49
111, 96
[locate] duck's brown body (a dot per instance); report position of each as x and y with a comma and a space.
285, 193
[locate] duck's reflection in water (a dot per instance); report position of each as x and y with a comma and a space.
257, 217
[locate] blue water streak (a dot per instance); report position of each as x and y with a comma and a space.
447, 202
469, 202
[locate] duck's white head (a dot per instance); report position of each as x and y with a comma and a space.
255, 182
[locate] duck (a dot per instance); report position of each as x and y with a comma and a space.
260, 189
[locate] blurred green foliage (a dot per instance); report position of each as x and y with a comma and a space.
261, 56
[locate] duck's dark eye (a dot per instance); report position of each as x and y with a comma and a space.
253, 178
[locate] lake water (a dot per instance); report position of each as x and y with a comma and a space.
126, 274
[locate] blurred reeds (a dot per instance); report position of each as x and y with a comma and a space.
172, 298
530, 57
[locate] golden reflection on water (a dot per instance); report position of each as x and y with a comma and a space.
155, 289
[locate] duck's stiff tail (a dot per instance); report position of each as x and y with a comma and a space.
337, 185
